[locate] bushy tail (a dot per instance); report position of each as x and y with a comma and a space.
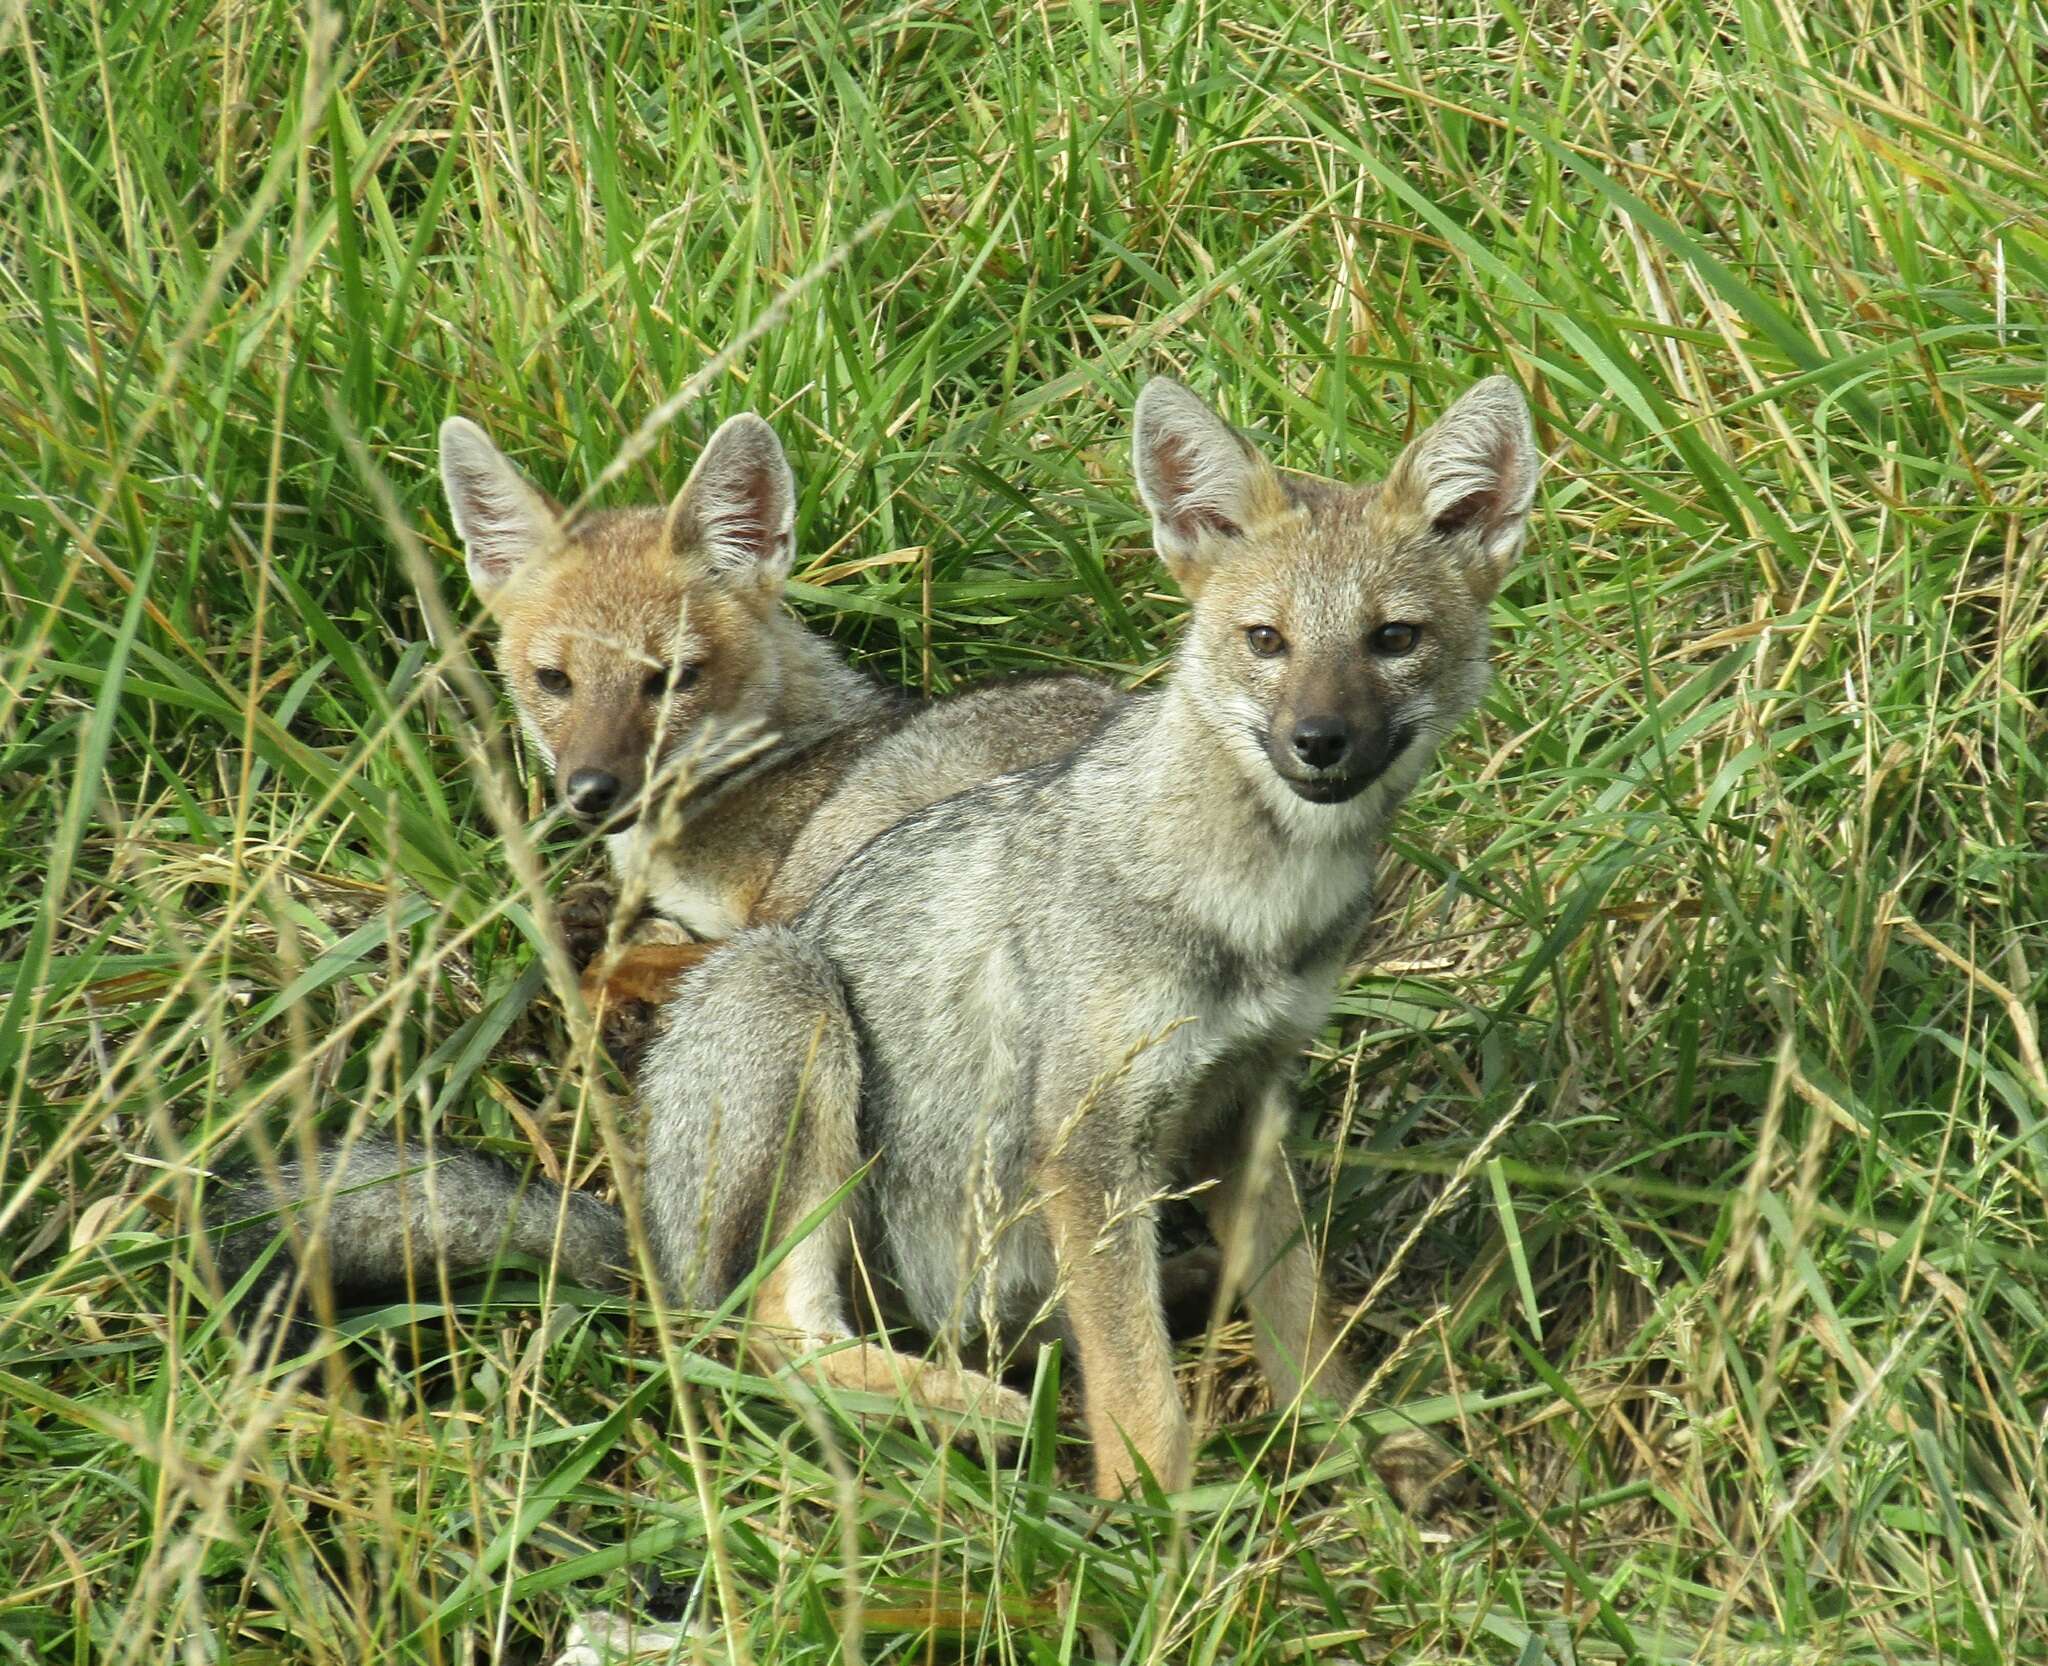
387, 1217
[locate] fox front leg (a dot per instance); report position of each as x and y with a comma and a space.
1256, 1212
1108, 1265
647, 972
627, 988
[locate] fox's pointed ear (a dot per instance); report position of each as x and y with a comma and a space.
504, 520
737, 511
1203, 482
1471, 475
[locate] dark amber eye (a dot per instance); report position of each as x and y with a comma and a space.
1395, 638
1265, 641
553, 681
668, 679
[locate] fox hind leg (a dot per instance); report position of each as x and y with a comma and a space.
753, 1102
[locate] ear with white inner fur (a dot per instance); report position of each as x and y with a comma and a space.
1202, 481
501, 517
737, 511
1472, 475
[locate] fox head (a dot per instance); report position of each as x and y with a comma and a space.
1337, 632
623, 633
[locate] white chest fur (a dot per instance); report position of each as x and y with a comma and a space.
702, 908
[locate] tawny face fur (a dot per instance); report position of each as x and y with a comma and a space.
1339, 629
621, 652
629, 637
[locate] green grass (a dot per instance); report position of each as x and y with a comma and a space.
1688, 1112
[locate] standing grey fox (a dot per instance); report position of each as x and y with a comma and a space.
1025, 1013
732, 757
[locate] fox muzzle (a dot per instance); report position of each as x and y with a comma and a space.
1330, 760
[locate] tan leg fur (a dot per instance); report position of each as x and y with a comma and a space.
645, 972
1109, 1282
782, 1337
1257, 1215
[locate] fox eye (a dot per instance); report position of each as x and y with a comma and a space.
1395, 638
552, 680
669, 679
1264, 641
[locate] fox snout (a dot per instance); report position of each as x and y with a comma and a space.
1321, 742
601, 783
1329, 757
591, 793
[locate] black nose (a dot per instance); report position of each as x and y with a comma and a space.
591, 792
1320, 741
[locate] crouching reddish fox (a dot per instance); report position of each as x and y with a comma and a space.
732, 758
1029, 1010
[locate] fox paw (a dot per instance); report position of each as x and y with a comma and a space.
627, 1029
585, 910
962, 1412
1417, 1468
1003, 1405
658, 931
628, 990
